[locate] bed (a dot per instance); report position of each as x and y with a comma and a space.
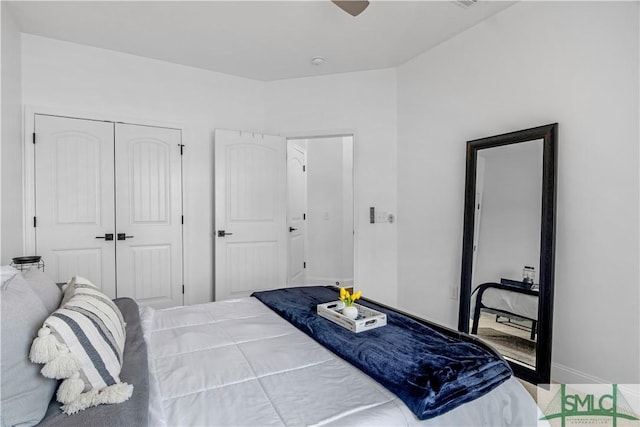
238, 362
508, 300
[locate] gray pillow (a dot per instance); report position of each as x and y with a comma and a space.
45, 287
7, 272
25, 392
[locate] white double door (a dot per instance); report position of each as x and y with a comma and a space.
108, 206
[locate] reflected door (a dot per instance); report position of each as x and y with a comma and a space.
250, 218
74, 199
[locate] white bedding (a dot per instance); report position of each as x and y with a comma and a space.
237, 363
524, 305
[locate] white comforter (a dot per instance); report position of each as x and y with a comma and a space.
512, 302
237, 363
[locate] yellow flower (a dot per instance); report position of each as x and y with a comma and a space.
347, 298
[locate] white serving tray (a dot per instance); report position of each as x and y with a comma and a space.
367, 317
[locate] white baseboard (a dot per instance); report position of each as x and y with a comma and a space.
562, 374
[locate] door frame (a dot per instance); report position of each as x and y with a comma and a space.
28, 159
339, 133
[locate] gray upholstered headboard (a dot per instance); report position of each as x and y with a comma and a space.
133, 412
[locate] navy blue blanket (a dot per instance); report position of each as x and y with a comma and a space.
432, 373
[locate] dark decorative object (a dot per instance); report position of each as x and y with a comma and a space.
25, 262
541, 374
528, 275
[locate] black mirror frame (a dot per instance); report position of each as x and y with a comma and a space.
548, 133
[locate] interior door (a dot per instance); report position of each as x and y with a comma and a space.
250, 218
296, 213
74, 196
149, 214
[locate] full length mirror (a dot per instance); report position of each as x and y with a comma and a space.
506, 296
320, 210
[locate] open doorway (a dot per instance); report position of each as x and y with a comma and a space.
320, 210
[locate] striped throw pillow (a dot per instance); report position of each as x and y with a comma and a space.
83, 342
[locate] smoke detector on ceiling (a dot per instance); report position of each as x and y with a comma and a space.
465, 4
318, 60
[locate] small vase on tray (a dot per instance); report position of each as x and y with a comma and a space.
350, 311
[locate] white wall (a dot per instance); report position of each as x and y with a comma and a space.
534, 63
11, 134
72, 76
364, 104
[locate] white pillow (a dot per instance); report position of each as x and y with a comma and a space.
25, 394
82, 342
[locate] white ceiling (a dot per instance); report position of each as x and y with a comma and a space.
262, 40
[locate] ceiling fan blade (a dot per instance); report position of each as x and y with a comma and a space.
352, 7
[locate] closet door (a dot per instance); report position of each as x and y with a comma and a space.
74, 196
149, 214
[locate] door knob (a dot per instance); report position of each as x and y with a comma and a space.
222, 233
107, 236
123, 236
292, 229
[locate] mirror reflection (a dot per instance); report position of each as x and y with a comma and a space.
506, 249
320, 210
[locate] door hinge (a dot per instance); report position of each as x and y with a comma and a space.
34, 137
304, 264
182, 289
181, 148
34, 222
182, 220
304, 168
304, 216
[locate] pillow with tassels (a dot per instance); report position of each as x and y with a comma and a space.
82, 343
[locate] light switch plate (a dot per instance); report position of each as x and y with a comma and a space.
381, 216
